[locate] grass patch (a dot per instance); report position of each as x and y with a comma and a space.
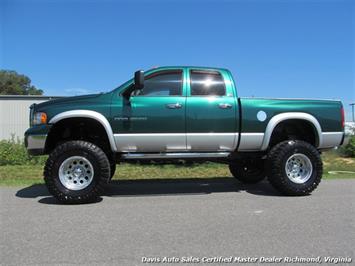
166, 171
22, 175
13, 175
333, 162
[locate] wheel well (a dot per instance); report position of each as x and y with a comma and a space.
87, 129
294, 129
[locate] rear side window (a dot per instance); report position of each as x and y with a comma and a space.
165, 83
207, 83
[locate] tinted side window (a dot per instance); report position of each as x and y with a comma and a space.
205, 83
167, 83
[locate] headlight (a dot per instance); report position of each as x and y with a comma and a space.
39, 118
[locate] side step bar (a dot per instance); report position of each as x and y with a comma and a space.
181, 155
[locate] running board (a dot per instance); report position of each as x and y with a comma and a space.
181, 155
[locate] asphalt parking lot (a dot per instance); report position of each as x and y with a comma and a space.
141, 220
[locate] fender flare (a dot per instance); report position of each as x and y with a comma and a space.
274, 121
88, 114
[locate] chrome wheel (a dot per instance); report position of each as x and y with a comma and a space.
76, 173
298, 168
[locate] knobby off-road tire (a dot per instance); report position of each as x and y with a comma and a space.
294, 167
112, 169
112, 159
248, 171
77, 172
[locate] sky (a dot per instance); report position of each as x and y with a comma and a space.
295, 48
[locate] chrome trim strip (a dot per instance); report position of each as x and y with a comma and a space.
88, 114
250, 141
180, 155
36, 142
331, 139
291, 115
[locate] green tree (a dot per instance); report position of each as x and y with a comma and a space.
349, 148
12, 83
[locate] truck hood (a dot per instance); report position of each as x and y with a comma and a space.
68, 100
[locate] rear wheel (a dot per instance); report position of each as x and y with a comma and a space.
248, 171
294, 167
77, 172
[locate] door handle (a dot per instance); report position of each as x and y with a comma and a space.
225, 105
174, 105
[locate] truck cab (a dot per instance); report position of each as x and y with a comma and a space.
177, 110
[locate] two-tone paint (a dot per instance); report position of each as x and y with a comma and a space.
186, 123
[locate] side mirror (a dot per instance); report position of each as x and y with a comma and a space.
139, 79
137, 85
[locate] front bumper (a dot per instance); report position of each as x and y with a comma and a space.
35, 139
35, 144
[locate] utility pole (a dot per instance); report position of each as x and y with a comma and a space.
352, 110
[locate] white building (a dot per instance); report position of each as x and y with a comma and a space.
15, 112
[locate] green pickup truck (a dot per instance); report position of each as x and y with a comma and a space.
182, 113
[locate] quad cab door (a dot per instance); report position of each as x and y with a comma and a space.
211, 111
153, 119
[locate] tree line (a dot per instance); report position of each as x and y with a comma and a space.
12, 83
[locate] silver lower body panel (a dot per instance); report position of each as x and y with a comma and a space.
158, 142
331, 139
251, 141
175, 142
211, 141
203, 142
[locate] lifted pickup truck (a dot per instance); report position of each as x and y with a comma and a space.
175, 113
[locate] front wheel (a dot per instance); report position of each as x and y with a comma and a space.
249, 171
77, 172
294, 167
112, 159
